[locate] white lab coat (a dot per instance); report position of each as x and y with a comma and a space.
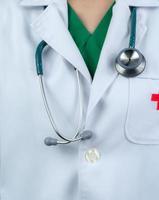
119, 111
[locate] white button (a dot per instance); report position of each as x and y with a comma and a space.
92, 155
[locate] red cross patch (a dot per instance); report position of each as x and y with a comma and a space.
155, 97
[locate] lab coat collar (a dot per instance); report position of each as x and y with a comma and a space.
56, 16
52, 25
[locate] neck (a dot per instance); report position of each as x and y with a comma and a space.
90, 11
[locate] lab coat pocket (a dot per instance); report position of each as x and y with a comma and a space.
142, 121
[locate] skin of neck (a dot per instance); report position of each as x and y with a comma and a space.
90, 11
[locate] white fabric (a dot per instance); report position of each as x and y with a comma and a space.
119, 111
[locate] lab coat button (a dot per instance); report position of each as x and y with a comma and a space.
92, 155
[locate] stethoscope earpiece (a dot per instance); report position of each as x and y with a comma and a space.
49, 141
130, 62
85, 135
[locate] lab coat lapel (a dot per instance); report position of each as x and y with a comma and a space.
117, 39
51, 26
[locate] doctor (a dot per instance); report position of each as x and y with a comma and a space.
91, 130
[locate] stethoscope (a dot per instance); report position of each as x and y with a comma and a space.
129, 63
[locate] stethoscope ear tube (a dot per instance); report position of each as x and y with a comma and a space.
49, 141
80, 134
132, 41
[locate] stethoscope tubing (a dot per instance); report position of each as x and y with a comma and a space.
51, 119
132, 41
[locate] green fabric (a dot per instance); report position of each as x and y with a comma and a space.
89, 44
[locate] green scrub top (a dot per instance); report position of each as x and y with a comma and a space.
89, 44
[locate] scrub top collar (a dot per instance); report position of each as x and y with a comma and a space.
81, 33
89, 44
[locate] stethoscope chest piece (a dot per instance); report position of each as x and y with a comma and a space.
130, 62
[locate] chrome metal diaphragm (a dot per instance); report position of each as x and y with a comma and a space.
130, 62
